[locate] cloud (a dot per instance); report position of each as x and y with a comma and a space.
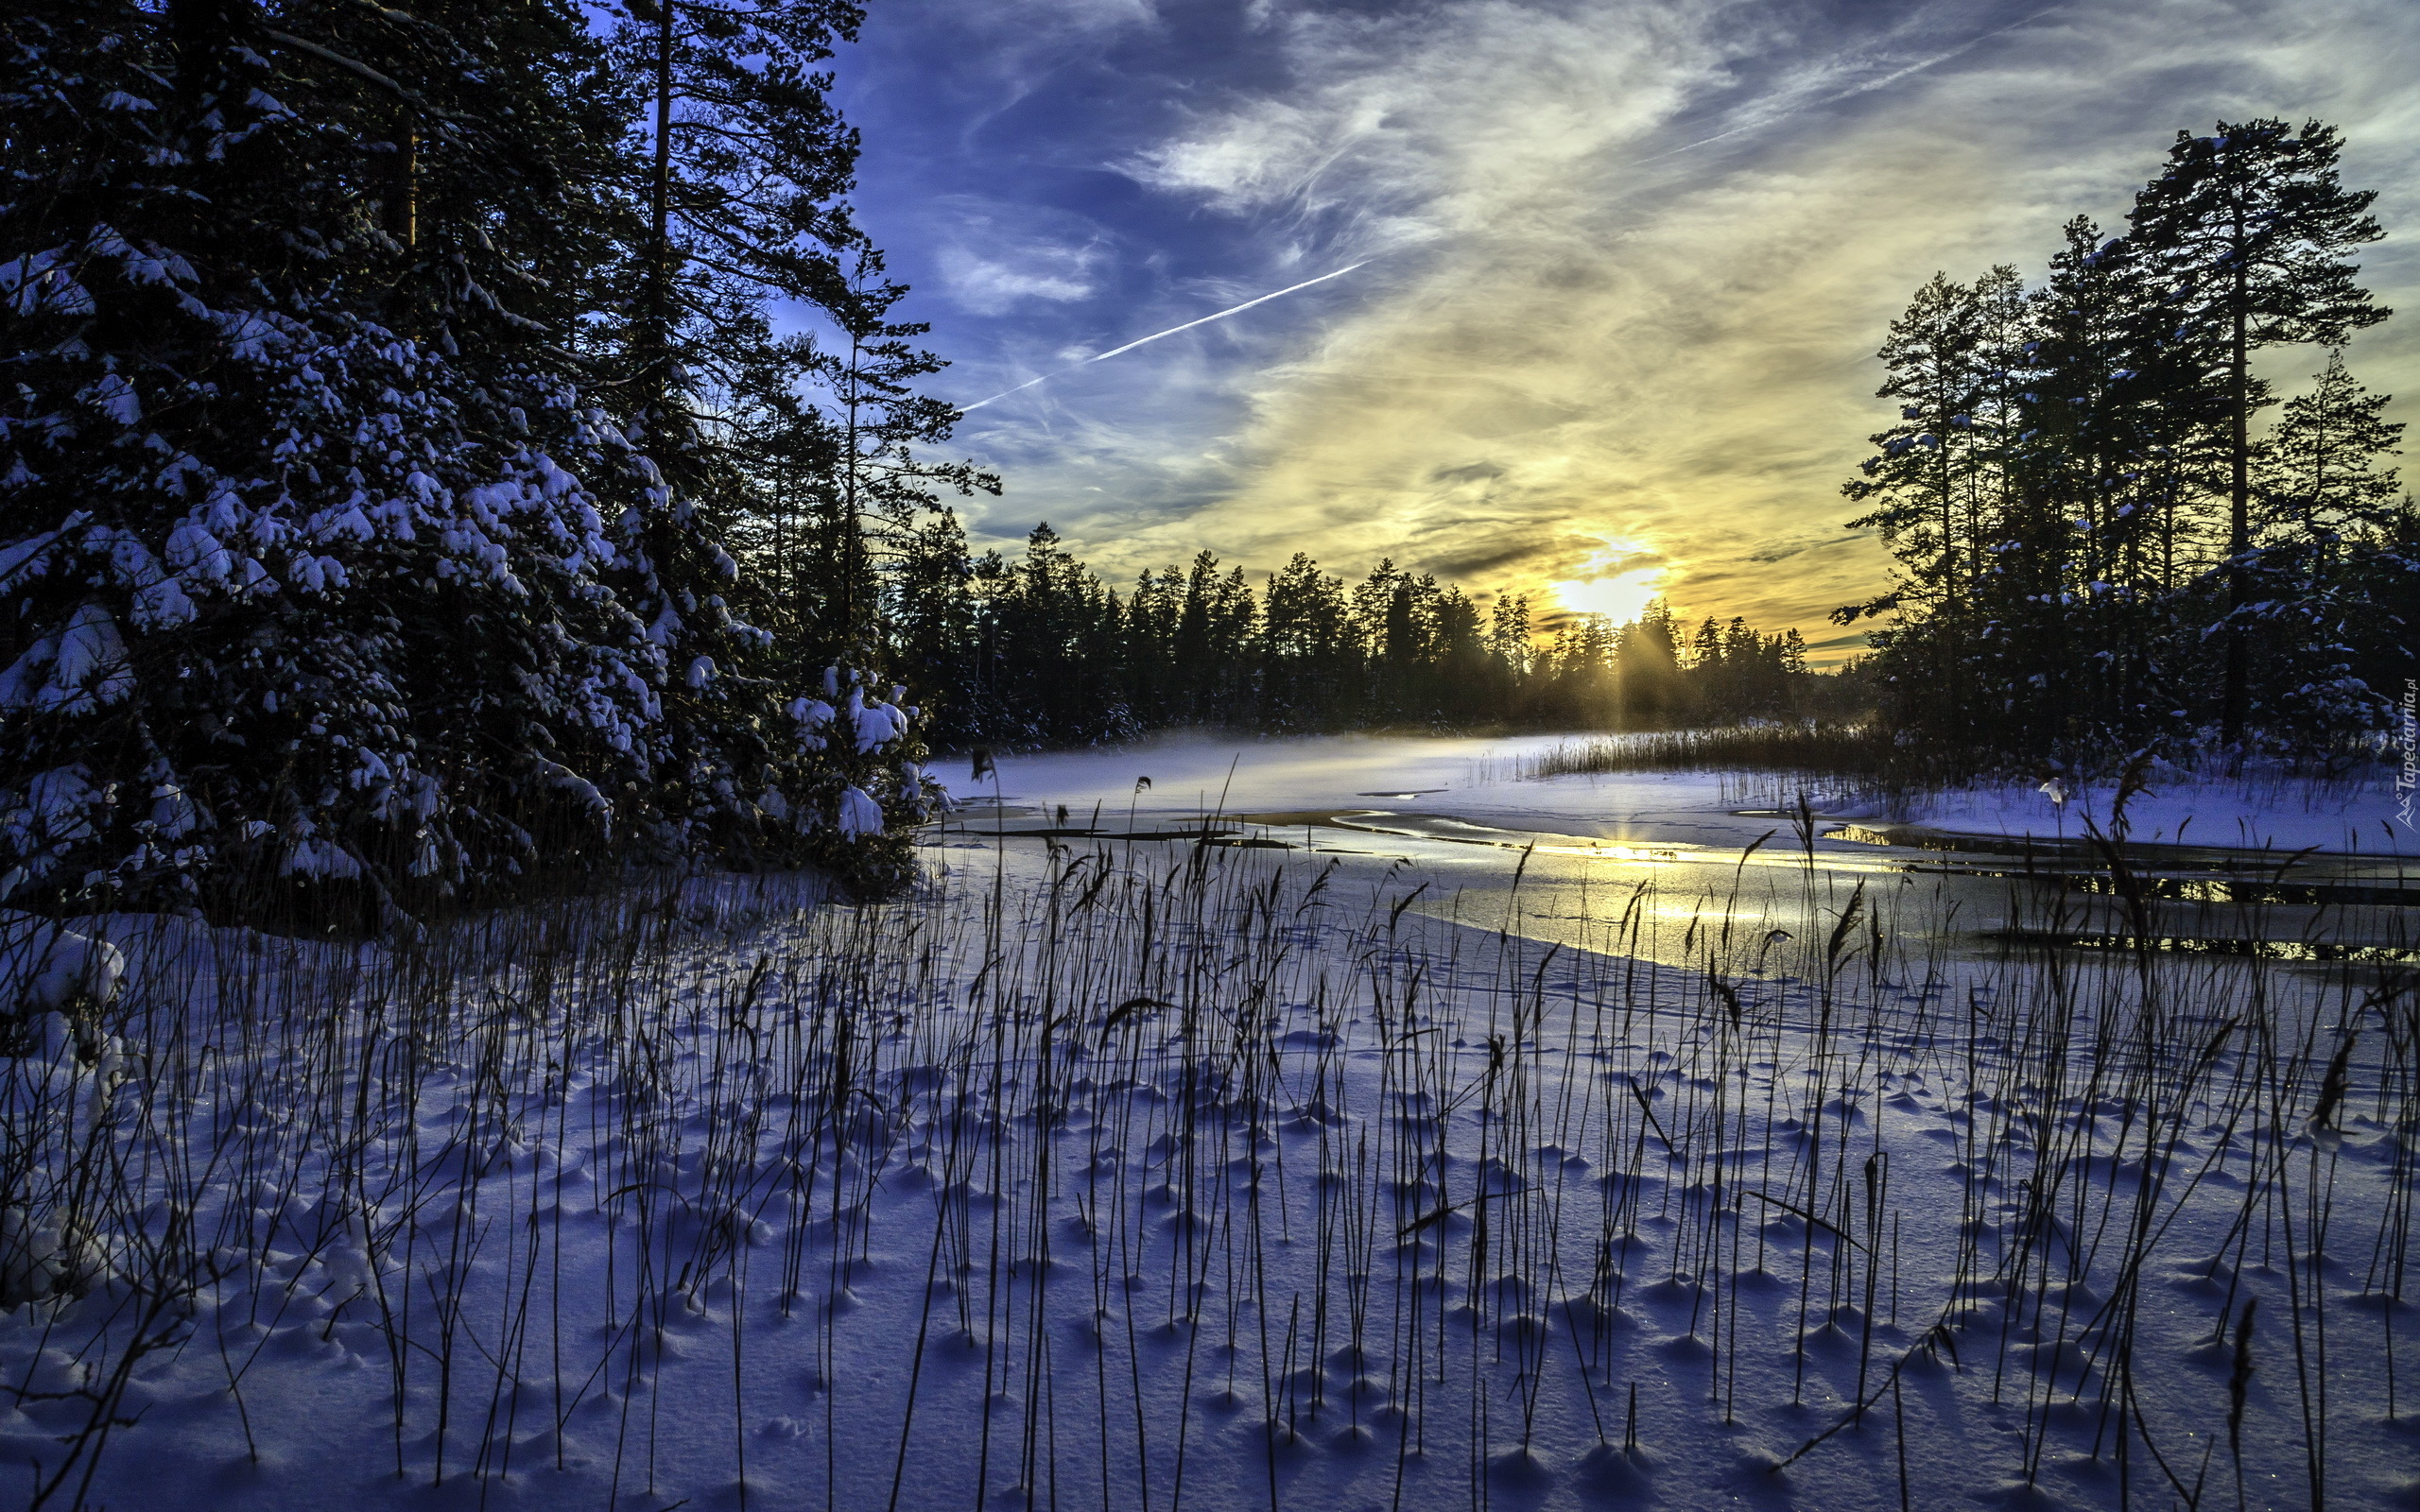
988, 286
1632, 265
1404, 126
994, 256
1481, 558
1783, 550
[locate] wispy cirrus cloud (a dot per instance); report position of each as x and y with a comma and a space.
995, 256
1628, 267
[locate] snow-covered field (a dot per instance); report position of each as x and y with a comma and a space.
2259, 812
1131, 1175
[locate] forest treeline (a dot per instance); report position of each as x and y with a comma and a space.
2110, 535
1038, 651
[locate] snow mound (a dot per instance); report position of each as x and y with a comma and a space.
45, 967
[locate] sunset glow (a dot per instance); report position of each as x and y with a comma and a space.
1603, 257
1618, 598
1617, 580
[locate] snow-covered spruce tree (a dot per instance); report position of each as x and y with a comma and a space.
315, 568
289, 591
740, 175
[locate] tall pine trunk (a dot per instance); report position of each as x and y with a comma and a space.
654, 335
655, 328
2236, 694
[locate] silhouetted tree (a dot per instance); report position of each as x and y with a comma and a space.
2247, 230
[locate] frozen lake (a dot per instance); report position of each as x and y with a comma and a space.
2307, 870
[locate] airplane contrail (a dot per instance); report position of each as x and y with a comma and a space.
1104, 357
1866, 88
1869, 86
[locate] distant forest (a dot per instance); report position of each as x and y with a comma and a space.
1039, 651
2101, 546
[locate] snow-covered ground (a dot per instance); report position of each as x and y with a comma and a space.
2258, 811
1148, 1175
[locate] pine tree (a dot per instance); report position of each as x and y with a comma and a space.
1647, 669
2248, 230
746, 167
1198, 640
1930, 474
932, 619
2109, 467
2319, 482
1941, 473
1508, 635
1793, 653
1310, 653
882, 482
2326, 519
1464, 683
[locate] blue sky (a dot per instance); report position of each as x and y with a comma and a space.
1624, 265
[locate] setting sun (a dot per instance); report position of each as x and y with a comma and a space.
1618, 581
1618, 598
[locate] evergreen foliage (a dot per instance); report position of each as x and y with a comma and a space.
1039, 651
373, 435
2097, 551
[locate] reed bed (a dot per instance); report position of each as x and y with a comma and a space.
1161, 1176
1857, 767
1840, 750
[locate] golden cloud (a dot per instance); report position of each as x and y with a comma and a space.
1576, 340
